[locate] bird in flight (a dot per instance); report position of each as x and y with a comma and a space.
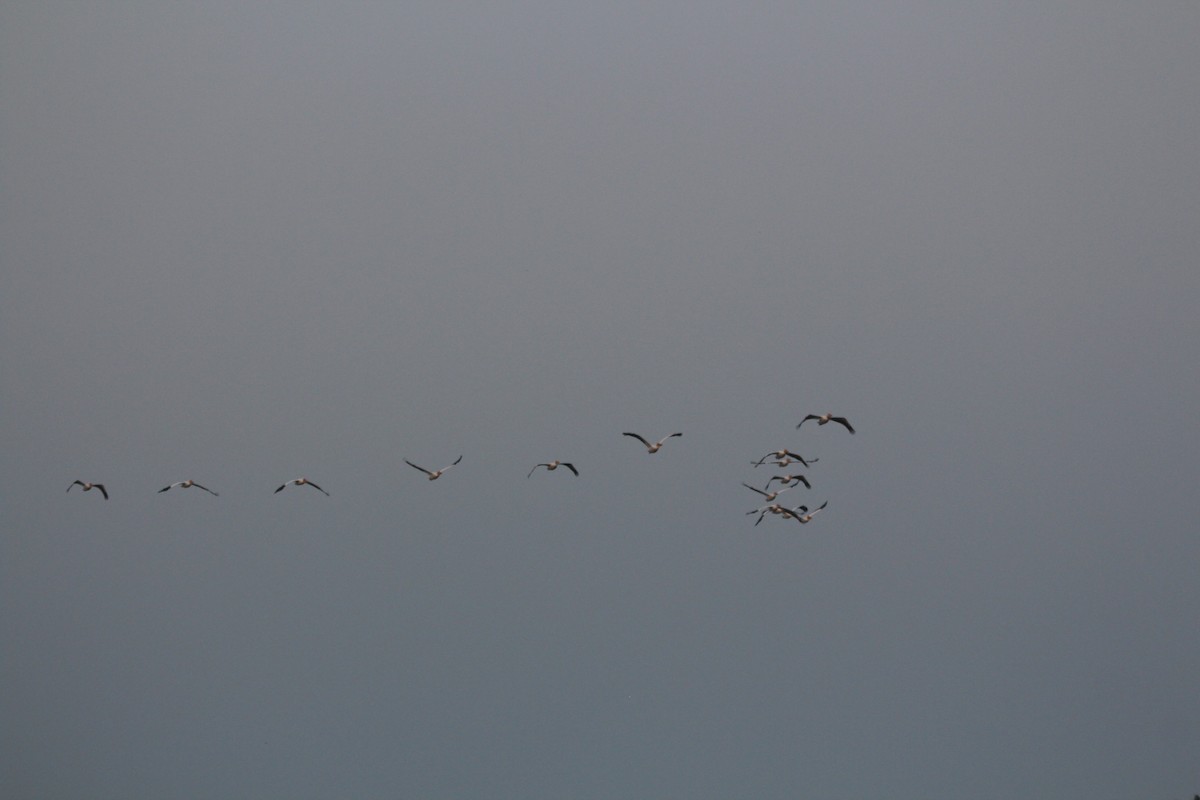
299, 482
776, 508
651, 448
553, 465
783, 458
433, 474
770, 496
822, 419
189, 484
87, 487
789, 480
806, 518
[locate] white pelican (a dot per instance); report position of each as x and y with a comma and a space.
826, 418
87, 487
301, 482
651, 448
783, 462
776, 508
785, 457
770, 496
790, 480
805, 518
187, 485
553, 465
435, 474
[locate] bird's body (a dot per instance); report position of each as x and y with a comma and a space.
790, 480
187, 485
436, 473
87, 487
770, 496
301, 482
785, 457
823, 419
553, 465
651, 448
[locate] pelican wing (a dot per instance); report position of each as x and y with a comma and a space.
310, 483
639, 438
571, 467
843, 422
414, 466
103, 491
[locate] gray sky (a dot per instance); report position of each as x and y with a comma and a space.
243, 243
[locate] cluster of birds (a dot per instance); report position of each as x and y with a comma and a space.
779, 458
783, 459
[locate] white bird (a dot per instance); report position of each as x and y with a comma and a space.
87, 487
187, 485
783, 462
553, 465
651, 448
790, 480
822, 419
301, 482
434, 474
806, 518
770, 496
785, 457
776, 508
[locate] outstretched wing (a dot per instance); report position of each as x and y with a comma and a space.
572, 468
639, 438
414, 466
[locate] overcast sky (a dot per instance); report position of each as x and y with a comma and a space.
244, 243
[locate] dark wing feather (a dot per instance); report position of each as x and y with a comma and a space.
639, 438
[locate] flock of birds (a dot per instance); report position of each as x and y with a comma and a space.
785, 458
779, 458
